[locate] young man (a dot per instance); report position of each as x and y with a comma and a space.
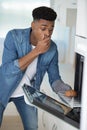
28, 54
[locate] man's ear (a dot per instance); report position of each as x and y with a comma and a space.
33, 25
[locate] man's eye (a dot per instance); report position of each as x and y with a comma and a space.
51, 30
43, 29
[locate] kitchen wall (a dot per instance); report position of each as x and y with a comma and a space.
65, 27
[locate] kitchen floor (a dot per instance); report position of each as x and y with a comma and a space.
11, 123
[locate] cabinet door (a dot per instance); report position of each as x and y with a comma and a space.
62, 125
50, 122
81, 26
41, 125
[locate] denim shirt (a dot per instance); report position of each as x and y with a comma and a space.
16, 45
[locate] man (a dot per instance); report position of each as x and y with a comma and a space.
28, 54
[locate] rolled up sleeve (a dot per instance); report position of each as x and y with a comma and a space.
59, 85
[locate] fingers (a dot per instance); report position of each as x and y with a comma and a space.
70, 93
43, 45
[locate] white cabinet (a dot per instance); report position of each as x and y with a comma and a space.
81, 26
46, 121
50, 122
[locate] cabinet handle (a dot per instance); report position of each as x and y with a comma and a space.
43, 122
54, 127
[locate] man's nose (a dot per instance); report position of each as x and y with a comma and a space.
47, 33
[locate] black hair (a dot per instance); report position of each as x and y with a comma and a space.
44, 12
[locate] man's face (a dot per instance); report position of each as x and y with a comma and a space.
42, 29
